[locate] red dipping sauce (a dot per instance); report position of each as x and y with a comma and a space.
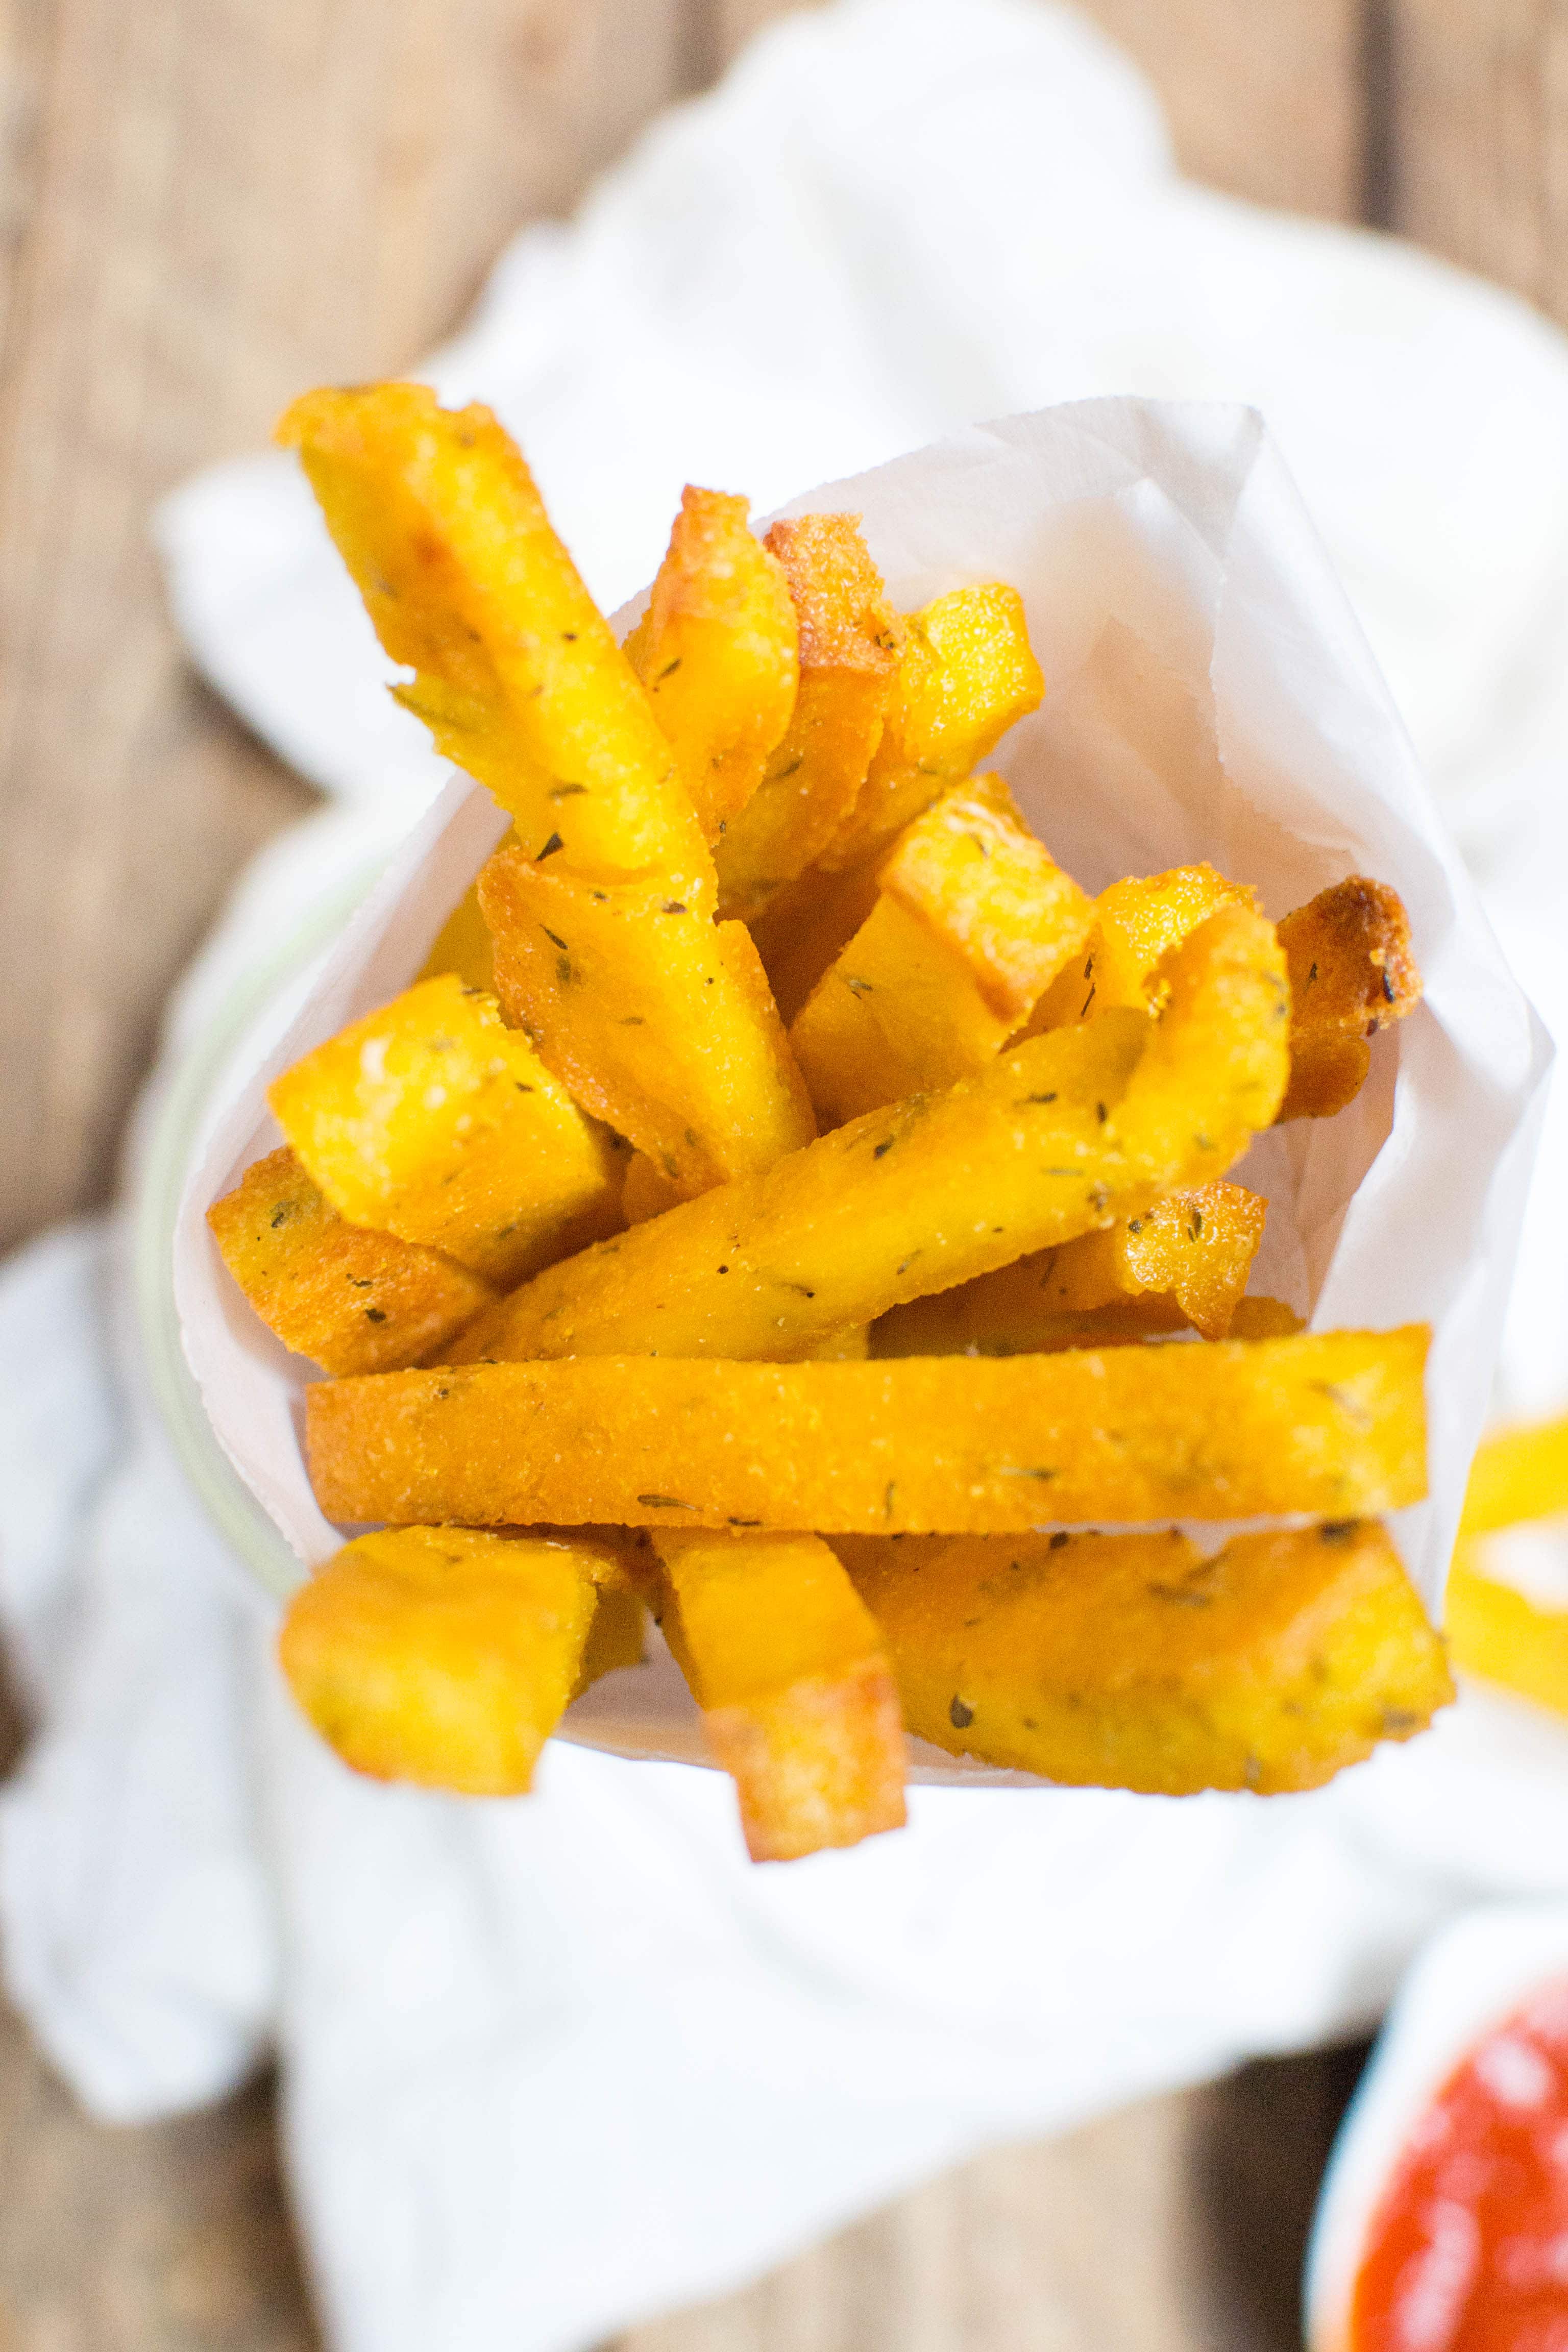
1468, 2250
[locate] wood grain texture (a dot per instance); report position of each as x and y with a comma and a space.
203, 207
1477, 136
170, 2238
1265, 102
1177, 2226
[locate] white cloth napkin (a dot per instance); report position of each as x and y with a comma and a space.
549, 2066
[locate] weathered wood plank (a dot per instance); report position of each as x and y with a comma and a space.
1177, 2226
1477, 136
1263, 101
204, 211
170, 2237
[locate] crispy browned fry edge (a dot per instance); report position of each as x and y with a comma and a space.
1352, 973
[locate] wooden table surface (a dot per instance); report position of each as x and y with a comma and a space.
205, 205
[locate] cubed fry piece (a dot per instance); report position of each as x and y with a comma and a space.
965, 675
1061, 1135
799, 1703
659, 1020
1130, 1662
351, 1300
431, 1119
1331, 1422
849, 651
444, 1655
1352, 973
973, 921
717, 653
517, 674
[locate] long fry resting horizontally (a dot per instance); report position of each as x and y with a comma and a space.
1329, 1422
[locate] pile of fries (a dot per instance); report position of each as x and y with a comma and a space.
787, 1204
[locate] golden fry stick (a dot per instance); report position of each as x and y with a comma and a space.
808, 922
659, 1021
1503, 1636
1330, 1423
517, 675
1184, 1262
522, 682
851, 1346
1005, 1314
1137, 922
1259, 1318
798, 1699
444, 1656
1128, 1662
1518, 1473
973, 871
973, 921
1059, 1136
647, 1192
352, 1300
848, 657
463, 946
996, 1316
898, 1014
618, 1636
1494, 1630
429, 1118
1352, 973
966, 676
716, 651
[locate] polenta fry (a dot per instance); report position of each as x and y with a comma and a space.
351, 1300
517, 675
965, 675
1059, 1136
442, 1655
1352, 973
1331, 1422
430, 1119
797, 1698
1128, 1662
973, 921
717, 653
848, 657
659, 1021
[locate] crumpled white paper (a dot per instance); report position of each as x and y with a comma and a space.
1209, 696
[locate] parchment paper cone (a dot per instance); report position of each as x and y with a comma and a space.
1210, 694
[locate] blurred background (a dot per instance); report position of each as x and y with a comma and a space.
204, 207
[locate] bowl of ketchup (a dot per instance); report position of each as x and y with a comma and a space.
1442, 2225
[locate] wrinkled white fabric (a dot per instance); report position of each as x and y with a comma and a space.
551, 2066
